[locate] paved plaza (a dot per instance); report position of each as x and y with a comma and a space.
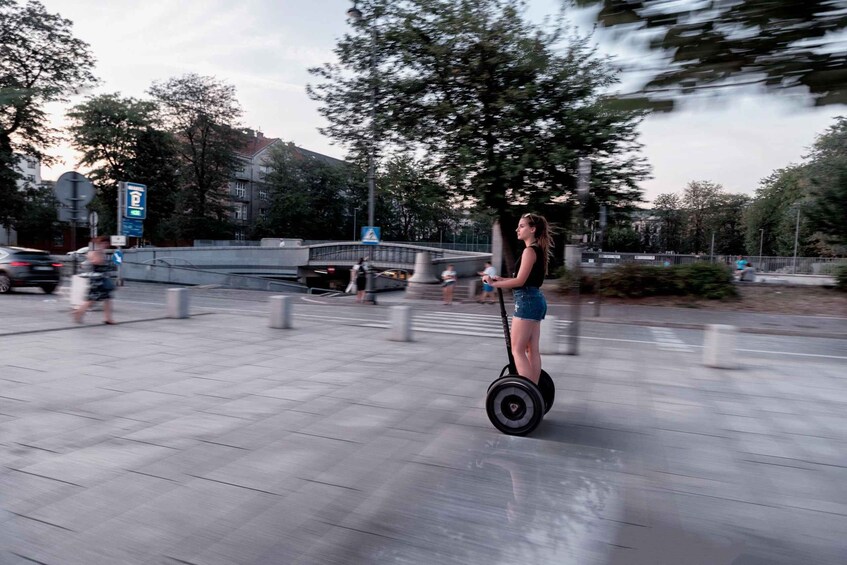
217, 440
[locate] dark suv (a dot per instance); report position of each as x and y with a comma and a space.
27, 267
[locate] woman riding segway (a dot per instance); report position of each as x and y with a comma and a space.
513, 405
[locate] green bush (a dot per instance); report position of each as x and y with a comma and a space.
696, 279
841, 278
566, 280
632, 280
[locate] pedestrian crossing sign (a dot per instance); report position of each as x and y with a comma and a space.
370, 235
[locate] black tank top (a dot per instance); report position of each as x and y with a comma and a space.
536, 275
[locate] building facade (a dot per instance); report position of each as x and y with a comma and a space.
249, 190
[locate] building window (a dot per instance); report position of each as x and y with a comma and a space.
240, 189
263, 212
263, 194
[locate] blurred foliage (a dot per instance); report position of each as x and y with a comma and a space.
202, 114
502, 108
696, 279
121, 140
841, 278
40, 62
779, 44
566, 278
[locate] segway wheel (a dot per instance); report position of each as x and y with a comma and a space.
545, 386
514, 405
547, 389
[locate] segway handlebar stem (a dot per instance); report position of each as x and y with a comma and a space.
507, 333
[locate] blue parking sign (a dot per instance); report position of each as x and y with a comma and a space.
136, 201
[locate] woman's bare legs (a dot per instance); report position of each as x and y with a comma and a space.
448, 294
107, 311
80, 311
525, 337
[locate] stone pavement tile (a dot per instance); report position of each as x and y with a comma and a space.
32, 541
252, 407
300, 390
103, 502
193, 461
23, 493
280, 466
357, 423
66, 440
93, 464
186, 430
283, 531
142, 532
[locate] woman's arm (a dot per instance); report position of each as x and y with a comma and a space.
527, 261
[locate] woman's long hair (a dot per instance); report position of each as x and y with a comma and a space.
543, 236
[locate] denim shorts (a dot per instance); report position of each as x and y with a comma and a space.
530, 304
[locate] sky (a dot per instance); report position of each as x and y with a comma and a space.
264, 48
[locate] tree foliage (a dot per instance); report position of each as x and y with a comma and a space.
202, 114
40, 62
827, 174
417, 204
310, 198
779, 44
120, 140
502, 108
668, 209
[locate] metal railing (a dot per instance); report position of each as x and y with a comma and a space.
778, 265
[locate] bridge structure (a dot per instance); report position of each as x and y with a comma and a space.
290, 267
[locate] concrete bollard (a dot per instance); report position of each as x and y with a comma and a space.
548, 344
401, 323
281, 307
719, 346
178, 303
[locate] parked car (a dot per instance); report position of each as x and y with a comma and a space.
20, 267
396, 274
79, 254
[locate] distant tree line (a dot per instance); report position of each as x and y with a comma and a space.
766, 222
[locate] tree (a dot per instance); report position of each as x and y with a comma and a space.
778, 44
501, 108
623, 239
310, 197
418, 205
121, 140
727, 224
202, 114
671, 218
40, 62
38, 223
766, 217
700, 200
827, 175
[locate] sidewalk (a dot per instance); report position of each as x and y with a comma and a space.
217, 440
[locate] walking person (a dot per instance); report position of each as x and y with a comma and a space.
487, 289
530, 304
361, 280
448, 283
100, 283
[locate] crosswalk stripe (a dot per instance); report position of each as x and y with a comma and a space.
478, 325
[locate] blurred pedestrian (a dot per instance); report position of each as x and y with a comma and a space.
101, 284
740, 263
530, 304
448, 283
487, 289
361, 279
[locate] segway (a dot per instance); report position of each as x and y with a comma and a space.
514, 404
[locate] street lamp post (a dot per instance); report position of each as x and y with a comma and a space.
761, 241
356, 15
